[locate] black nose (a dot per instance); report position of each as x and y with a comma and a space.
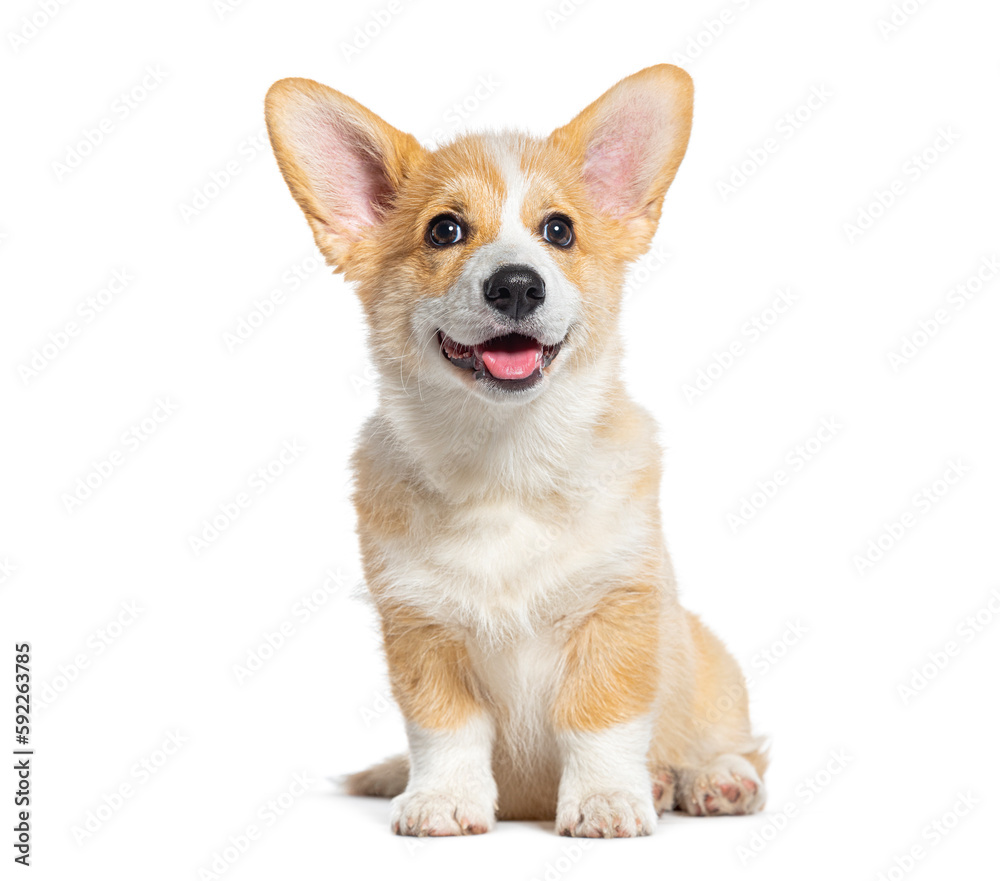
514, 290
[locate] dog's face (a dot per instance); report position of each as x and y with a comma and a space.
492, 265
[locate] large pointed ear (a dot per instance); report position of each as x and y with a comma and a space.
630, 142
343, 164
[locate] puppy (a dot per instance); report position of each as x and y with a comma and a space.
507, 488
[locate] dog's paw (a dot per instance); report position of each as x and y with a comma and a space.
439, 813
730, 785
607, 815
664, 790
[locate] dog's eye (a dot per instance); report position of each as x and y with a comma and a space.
445, 229
558, 230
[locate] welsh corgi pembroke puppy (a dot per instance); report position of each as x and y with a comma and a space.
507, 488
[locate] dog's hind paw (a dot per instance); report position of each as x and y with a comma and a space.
664, 790
730, 785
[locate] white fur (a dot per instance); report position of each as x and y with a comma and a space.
605, 788
451, 789
508, 565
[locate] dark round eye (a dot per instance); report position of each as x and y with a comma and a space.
558, 230
444, 230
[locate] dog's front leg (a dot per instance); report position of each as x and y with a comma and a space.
603, 716
451, 790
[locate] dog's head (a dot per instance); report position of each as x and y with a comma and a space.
494, 264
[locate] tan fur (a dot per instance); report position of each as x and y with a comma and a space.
574, 139
429, 669
610, 668
399, 152
384, 780
515, 556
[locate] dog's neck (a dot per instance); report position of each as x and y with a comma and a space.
467, 448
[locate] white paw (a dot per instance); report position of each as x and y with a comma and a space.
730, 785
664, 790
439, 813
607, 815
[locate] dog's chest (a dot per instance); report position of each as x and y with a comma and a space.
498, 543
506, 561
502, 545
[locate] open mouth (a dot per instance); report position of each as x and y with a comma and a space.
510, 362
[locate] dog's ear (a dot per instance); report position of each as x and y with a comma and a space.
342, 163
630, 142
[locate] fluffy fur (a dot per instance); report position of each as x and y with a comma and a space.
511, 539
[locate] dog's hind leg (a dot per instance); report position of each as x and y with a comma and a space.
704, 758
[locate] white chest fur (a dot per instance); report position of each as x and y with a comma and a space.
513, 523
503, 568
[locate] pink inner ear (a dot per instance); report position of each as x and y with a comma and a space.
624, 158
346, 173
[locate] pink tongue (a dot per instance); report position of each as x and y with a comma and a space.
519, 364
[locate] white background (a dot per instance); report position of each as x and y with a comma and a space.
316, 706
